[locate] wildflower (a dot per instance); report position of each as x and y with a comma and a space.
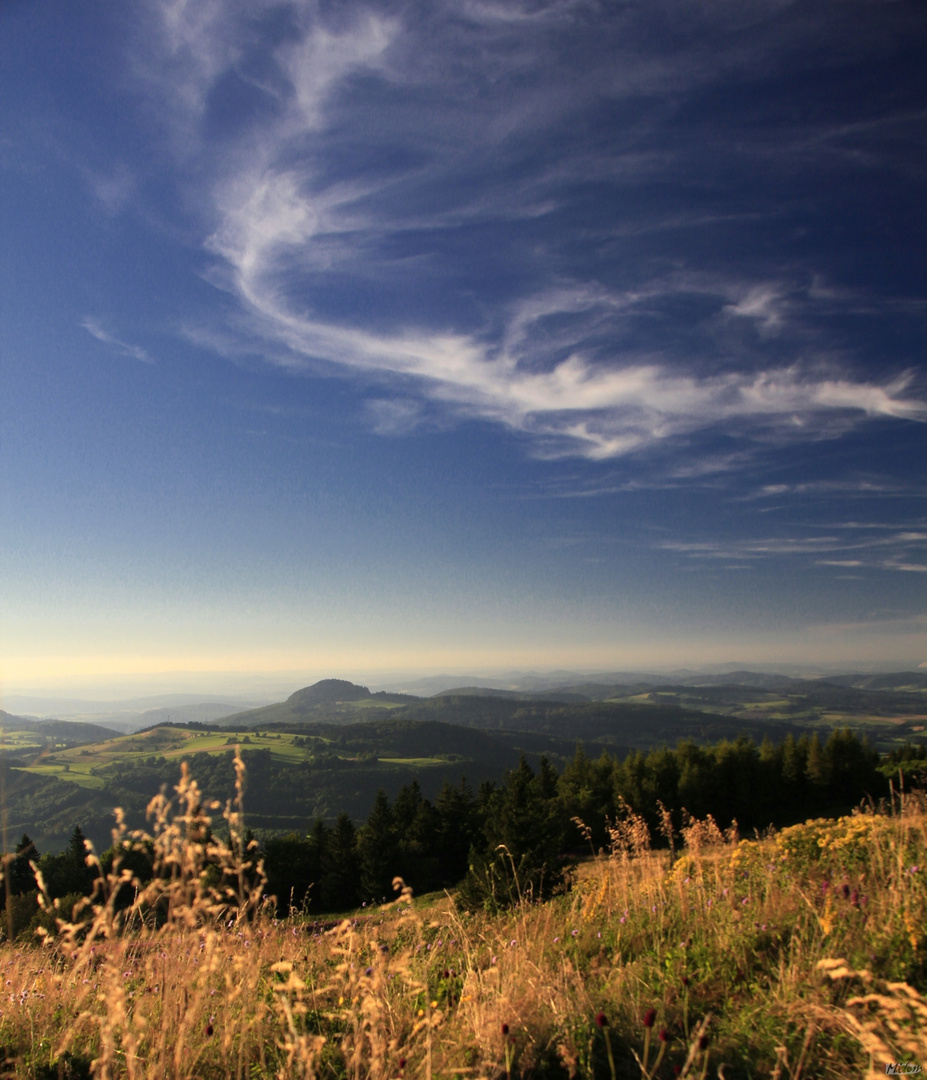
703, 1042
556, 939
368, 972
846, 891
209, 1030
505, 1030
685, 980
601, 1020
574, 932
663, 1035
650, 1018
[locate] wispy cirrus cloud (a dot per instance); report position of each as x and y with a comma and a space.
344, 224
903, 550
136, 352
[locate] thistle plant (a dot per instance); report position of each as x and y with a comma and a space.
602, 1023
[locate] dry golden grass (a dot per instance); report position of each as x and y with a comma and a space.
731, 948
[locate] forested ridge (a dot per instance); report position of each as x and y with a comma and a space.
523, 832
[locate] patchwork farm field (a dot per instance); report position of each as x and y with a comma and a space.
88, 766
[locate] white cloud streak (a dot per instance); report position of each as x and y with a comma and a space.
902, 550
554, 368
598, 410
136, 352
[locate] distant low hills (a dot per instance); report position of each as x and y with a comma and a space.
636, 713
908, 681
72, 732
329, 746
329, 700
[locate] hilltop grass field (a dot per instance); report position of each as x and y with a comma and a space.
800, 955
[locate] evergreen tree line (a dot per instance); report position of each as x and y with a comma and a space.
517, 837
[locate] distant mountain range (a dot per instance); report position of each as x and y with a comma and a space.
329, 746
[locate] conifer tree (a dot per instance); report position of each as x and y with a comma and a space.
378, 851
525, 834
339, 886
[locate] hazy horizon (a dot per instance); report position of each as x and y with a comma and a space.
259, 688
462, 336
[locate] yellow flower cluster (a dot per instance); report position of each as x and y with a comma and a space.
801, 843
844, 842
748, 858
686, 866
593, 899
849, 835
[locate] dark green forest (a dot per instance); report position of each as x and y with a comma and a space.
517, 835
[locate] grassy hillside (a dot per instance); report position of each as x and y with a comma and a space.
799, 954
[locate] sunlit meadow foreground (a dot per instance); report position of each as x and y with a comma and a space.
799, 954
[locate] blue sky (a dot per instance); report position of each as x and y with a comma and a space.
346, 337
